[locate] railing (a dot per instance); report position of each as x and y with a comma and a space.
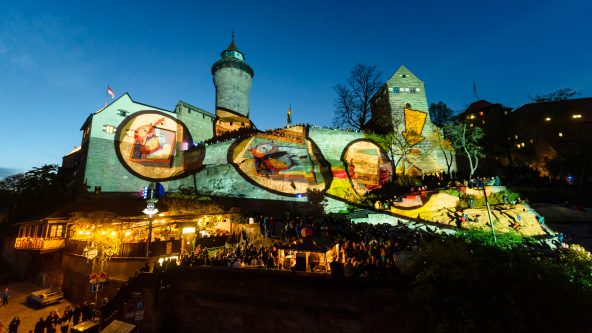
112, 310
28, 243
130, 250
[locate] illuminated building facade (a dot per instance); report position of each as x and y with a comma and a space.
400, 107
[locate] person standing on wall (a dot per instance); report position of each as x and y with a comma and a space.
5, 296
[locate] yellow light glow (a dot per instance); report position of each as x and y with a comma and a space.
103, 232
522, 144
472, 116
548, 119
576, 116
127, 233
113, 233
560, 134
518, 145
87, 233
80, 232
188, 230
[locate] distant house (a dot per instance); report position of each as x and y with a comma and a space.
554, 137
550, 137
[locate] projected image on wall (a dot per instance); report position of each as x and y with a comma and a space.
149, 144
367, 166
282, 161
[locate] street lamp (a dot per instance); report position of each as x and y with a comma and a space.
150, 210
481, 186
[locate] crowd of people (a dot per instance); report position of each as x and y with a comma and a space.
55, 322
365, 250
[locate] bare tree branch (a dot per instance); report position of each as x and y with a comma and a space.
352, 105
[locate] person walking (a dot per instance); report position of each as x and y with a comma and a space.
39, 326
14, 324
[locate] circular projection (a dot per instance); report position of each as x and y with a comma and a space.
150, 145
367, 166
284, 162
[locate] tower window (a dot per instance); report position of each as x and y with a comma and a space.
395, 90
404, 76
412, 90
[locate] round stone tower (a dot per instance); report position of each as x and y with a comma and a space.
232, 78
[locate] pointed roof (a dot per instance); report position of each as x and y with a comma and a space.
231, 47
404, 70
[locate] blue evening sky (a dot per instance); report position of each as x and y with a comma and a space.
57, 57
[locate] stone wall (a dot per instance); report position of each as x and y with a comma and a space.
241, 300
77, 270
233, 86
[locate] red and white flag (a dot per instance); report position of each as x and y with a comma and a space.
110, 92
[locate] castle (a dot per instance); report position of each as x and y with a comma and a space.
127, 144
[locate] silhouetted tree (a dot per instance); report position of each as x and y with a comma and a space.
33, 192
352, 105
440, 114
557, 95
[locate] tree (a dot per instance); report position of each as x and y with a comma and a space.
402, 143
557, 95
352, 105
467, 139
440, 114
33, 192
445, 146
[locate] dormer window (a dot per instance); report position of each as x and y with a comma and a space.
404, 76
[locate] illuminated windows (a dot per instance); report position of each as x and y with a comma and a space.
576, 116
560, 134
109, 129
548, 119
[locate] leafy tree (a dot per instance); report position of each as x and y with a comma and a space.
557, 95
33, 192
445, 147
468, 140
440, 114
352, 105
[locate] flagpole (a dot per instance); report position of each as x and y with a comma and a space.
106, 95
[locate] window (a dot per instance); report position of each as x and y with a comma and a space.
412, 90
395, 90
56, 231
122, 113
576, 116
404, 76
110, 129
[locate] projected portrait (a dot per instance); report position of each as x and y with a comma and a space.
150, 144
283, 161
367, 166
